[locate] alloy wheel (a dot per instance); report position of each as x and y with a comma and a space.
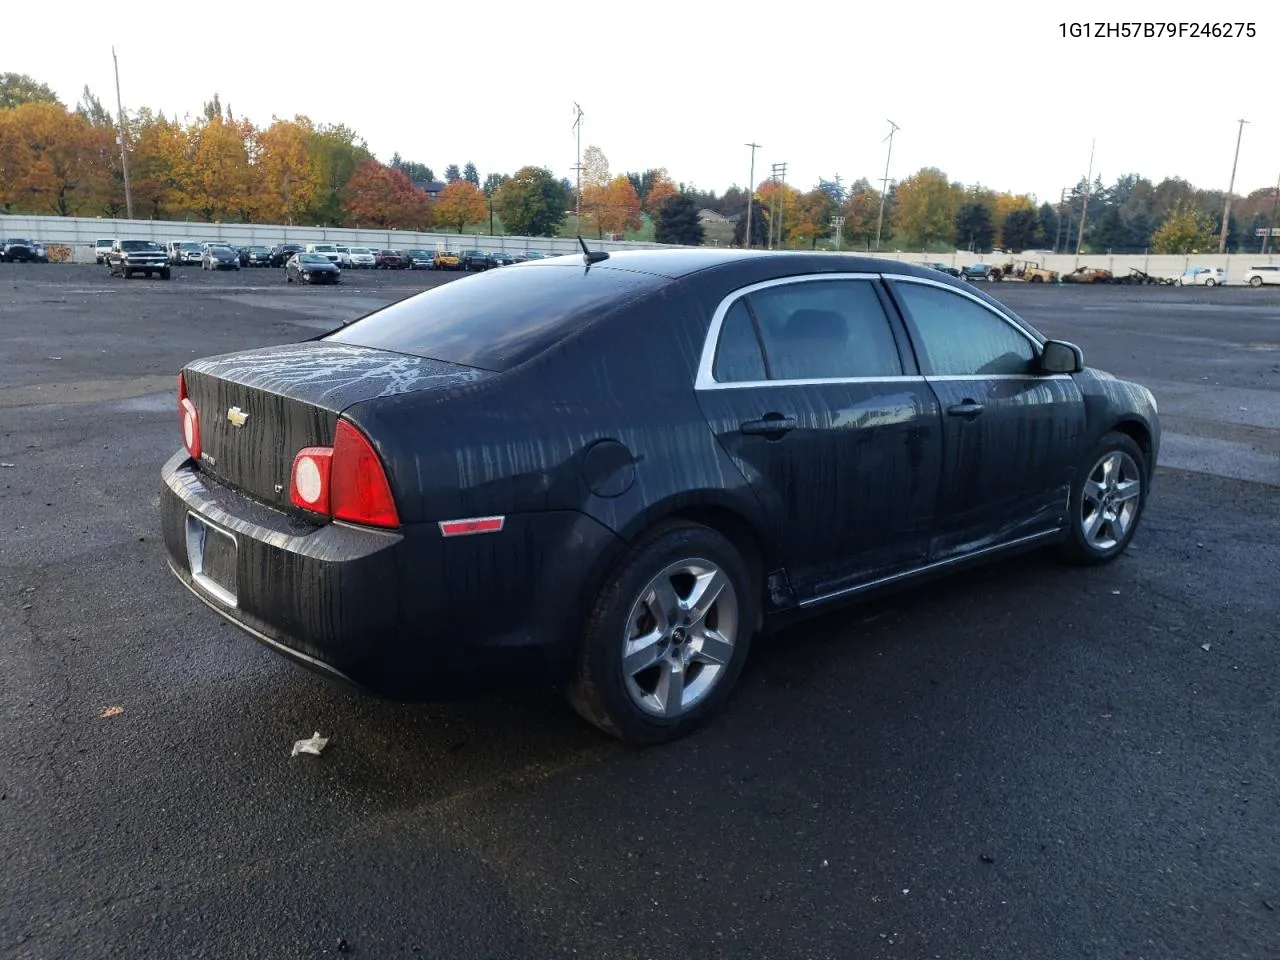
1110, 502
680, 637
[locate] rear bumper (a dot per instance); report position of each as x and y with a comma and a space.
407, 614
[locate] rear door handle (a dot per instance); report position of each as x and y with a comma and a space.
771, 425
969, 409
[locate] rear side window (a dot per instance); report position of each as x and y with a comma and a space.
825, 330
499, 318
738, 356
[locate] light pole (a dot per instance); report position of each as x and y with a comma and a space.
1271, 225
1226, 210
779, 177
838, 223
751, 191
884, 183
1088, 189
124, 140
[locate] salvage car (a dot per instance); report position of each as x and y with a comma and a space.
1203, 277
312, 268
613, 470
18, 250
127, 257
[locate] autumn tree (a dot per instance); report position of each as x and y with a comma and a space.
377, 196
54, 153
777, 202
460, 205
676, 220
595, 168
812, 218
158, 156
18, 88
216, 175
926, 208
861, 212
1185, 230
288, 175
531, 203
658, 189
615, 207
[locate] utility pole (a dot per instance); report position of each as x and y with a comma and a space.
884, 183
1271, 224
124, 138
838, 223
1088, 189
779, 177
1226, 210
751, 191
577, 208
1057, 234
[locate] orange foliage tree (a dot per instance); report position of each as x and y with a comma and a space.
615, 206
288, 176
377, 196
659, 191
461, 204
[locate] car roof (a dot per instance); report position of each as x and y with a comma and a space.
678, 263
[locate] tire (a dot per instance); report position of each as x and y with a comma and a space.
1255, 281
1211, 282
1092, 545
125, 273
287, 278
630, 706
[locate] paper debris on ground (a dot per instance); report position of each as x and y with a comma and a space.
312, 745
111, 712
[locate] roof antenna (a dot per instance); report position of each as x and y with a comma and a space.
591, 256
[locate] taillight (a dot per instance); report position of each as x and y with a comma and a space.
189, 419
346, 481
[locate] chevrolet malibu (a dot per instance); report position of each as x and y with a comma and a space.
614, 470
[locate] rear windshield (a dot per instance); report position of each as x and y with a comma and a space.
497, 319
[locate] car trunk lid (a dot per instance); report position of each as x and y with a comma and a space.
258, 408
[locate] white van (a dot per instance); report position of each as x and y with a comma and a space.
325, 250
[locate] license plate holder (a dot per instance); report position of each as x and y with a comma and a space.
212, 555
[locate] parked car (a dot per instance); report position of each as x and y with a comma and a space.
329, 250
530, 255
388, 260
256, 257
181, 252
977, 271
219, 256
17, 249
1088, 275
312, 268
502, 258
1203, 277
943, 268
344, 255
281, 253
363, 258
101, 247
475, 260
406, 514
447, 260
127, 257
1257, 276
420, 259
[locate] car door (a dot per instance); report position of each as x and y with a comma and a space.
1011, 434
809, 386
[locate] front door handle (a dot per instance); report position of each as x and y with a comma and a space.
969, 409
771, 425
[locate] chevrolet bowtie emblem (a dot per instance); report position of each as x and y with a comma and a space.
237, 417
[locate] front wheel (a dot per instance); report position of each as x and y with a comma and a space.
1107, 499
1255, 281
1211, 282
666, 637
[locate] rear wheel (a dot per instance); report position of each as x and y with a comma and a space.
1211, 282
1107, 499
1255, 281
666, 637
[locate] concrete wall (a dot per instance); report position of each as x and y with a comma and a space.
80, 233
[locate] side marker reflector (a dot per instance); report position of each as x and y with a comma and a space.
462, 528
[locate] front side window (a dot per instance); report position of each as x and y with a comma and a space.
825, 330
957, 336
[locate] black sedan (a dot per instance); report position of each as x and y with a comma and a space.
281, 253
312, 268
218, 256
615, 473
255, 256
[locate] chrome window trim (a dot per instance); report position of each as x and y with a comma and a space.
705, 380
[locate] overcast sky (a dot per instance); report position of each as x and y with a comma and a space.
991, 94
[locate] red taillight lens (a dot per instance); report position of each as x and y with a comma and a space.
309, 479
359, 489
345, 481
189, 419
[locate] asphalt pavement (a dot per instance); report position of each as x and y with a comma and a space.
1025, 761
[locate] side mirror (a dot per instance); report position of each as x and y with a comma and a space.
1059, 356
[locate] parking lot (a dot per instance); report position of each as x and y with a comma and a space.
1024, 761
